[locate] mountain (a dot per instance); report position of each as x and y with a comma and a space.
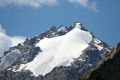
60, 53
110, 69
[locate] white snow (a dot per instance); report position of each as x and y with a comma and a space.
97, 42
78, 25
99, 47
58, 51
62, 28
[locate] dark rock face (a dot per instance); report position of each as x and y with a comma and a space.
63, 73
110, 69
24, 75
54, 32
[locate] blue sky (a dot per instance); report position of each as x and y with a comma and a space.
29, 18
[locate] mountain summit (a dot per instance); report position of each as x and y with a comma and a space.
60, 53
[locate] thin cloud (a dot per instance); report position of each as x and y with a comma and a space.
85, 3
7, 41
16, 40
32, 3
39, 3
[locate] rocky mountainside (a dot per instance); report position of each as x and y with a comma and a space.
110, 69
60, 53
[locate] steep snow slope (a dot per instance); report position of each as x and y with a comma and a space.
58, 51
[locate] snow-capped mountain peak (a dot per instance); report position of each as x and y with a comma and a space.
71, 47
78, 25
59, 51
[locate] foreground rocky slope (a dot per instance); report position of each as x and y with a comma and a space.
110, 69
